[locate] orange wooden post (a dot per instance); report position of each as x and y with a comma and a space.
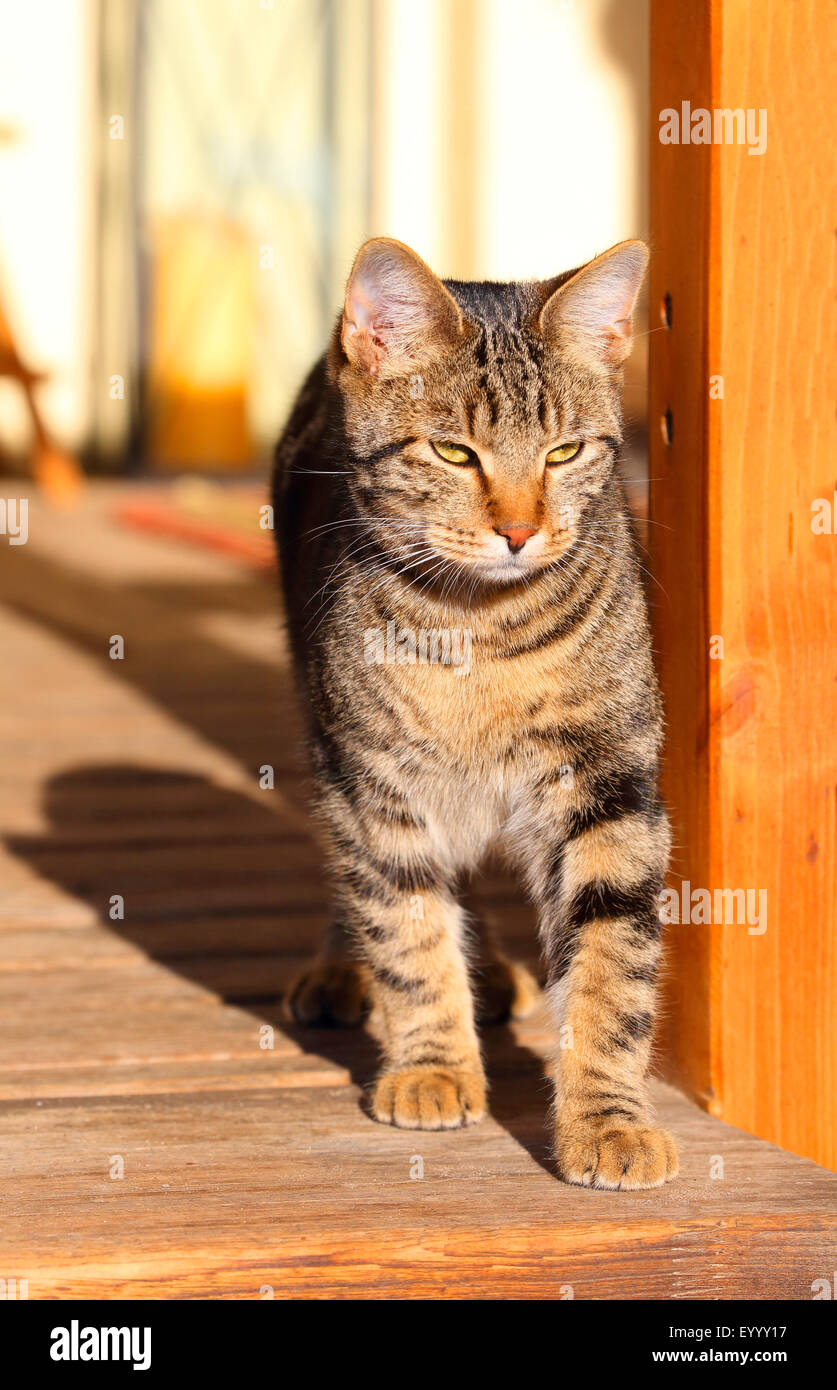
744, 244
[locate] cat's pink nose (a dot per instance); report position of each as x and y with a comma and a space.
517, 536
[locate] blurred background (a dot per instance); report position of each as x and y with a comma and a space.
183, 187
185, 182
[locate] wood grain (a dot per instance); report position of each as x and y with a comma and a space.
746, 245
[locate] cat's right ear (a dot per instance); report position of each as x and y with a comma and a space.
589, 314
396, 311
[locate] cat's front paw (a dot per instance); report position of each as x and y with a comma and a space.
614, 1155
331, 994
429, 1098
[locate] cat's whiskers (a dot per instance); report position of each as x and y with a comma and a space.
354, 521
361, 545
389, 577
421, 552
611, 553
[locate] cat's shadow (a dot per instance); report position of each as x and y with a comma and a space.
249, 949
114, 827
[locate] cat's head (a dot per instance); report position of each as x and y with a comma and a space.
483, 419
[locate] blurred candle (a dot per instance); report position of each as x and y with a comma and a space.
201, 345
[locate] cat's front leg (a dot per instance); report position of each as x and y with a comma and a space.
432, 1076
409, 931
598, 883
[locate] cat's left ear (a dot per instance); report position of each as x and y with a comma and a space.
589, 315
396, 311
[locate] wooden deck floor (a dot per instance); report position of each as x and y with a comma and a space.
135, 1045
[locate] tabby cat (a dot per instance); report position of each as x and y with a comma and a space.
469, 625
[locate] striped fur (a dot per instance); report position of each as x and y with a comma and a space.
547, 748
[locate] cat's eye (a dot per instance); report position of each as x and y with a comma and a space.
453, 453
565, 453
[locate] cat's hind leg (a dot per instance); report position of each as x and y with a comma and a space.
334, 989
503, 988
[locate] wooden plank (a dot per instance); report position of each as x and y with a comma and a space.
220, 1197
745, 246
248, 1166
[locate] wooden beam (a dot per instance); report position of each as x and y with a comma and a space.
744, 244
679, 276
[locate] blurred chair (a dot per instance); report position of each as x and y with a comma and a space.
56, 471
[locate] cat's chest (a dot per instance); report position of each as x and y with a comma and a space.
477, 708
